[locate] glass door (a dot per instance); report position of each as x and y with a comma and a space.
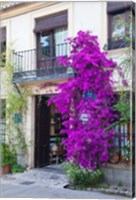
44, 50
60, 34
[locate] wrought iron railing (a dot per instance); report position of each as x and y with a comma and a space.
34, 63
121, 142
2, 130
113, 44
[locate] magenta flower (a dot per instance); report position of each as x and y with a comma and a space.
85, 102
124, 82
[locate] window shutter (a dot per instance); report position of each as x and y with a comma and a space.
118, 6
51, 22
2, 34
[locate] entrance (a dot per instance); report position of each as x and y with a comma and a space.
42, 133
48, 124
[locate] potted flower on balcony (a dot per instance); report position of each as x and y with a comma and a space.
7, 158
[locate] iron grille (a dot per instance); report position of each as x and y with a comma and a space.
31, 65
120, 142
2, 130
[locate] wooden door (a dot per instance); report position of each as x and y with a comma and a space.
42, 134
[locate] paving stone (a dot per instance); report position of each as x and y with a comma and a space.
40, 177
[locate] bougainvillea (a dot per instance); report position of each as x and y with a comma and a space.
85, 102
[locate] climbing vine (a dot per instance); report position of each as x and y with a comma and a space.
86, 102
123, 105
16, 105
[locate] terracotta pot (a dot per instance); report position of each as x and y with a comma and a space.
114, 159
5, 169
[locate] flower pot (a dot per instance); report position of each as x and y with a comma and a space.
114, 159
54, 147
5, 169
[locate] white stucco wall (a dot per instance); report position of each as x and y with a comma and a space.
119, 56
20, 30
81, 16
91, 16
30, 130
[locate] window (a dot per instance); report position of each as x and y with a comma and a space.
118, 24
2, 46
52, 43
2, 120
45, 45
118, 27
51, 33
60, 34
3, 109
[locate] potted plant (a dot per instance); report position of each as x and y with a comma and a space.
128, 152
58, 141
7, 158
114, 155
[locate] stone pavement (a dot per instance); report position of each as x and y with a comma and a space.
45, 182
46, 177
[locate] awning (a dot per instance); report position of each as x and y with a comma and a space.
50, 22
116, 6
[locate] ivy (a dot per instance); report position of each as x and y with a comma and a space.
16, 102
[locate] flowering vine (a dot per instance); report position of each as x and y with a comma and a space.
86, 102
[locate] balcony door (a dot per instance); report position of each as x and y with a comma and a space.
51, 44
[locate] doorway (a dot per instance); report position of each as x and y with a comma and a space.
48, 140
42, 131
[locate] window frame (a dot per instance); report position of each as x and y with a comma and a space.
3, 45
113, 10
2, 120
47, 25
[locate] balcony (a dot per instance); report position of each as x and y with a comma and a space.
30, 65
112, 44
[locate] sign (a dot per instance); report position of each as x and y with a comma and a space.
17, 118
84, 117
89, 94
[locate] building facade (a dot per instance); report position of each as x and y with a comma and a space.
36, 33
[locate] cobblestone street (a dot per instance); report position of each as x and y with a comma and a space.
44, 177
45, 182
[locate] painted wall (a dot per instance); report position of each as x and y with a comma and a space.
20, 28
119, 56
91, 16
20, 32
81, 15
